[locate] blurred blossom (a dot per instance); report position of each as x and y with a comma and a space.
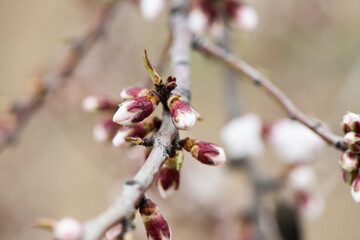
242, 136
302, 177
293, 142
150, 9
68, 229
310, 203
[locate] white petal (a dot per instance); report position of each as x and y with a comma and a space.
301, 178
355, 195
185, 120
68, 229
90, 103
100, 133
150, 9
221, 158
122, 115
242, 136
165, 193
197, 21
247, 18
119, 138
350, 117
314, 206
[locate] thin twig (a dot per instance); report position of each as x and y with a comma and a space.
264, 83
20, 113
134, 189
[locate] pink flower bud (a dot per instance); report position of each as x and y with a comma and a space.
150, 9
352, 140
349, 161
245, 16
355, 189
138, 130
350, 122
105, 130
183, 116
349, 177
133, 92
68, 229
169, 175
95, 104
156, 226
207, 153
135, 110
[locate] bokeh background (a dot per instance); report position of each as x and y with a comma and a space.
310, 49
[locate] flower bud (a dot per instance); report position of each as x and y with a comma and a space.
349, 177
156, 226
244, 16
207, 153
349, 161
139, 130
350, 122
183, 116
95, 104
133, 92
68, 229
169, 175
150, 9
352, 140
355, 189
197, 20
135, 110
105, 130
114, 232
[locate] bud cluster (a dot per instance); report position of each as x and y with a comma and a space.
212, 15
350, 160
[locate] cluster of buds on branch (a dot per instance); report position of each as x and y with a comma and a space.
350, 160
131, 122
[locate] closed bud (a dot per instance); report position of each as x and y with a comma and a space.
183, 116
349, 161
352, 140
139, 130
244, 16
355, 189
68, 229
350, 122
133, 92
114, 232
156, 226
105, 130
95, 104
135, 110
207, 153
169, 175
349, 177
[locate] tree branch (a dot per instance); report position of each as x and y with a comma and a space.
264, 83
20, 113
134, 189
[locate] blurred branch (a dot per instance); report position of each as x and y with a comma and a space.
134, 188
262, 82
14, 120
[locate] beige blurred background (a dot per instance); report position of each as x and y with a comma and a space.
308, 48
